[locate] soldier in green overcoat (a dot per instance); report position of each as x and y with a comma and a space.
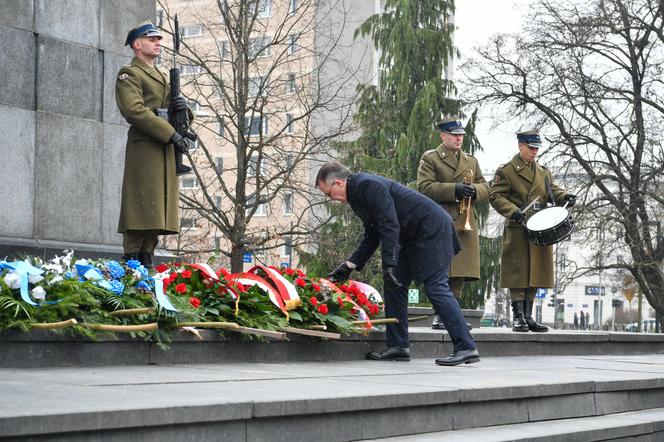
150, 188
453, 178
524, 266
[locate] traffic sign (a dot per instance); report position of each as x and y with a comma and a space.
541, 293
246, 257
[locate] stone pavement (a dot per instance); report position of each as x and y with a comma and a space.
289, 401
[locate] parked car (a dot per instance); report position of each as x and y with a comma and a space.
647, 326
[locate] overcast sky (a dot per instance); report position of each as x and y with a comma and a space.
477, 21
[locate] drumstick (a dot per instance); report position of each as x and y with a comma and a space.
530, 205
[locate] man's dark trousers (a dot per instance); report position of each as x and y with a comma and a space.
442, 299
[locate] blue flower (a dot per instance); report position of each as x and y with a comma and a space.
117, 287
133, 264
143, 271
70, 275
143, 285
115, 269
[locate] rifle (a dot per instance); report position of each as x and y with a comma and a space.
179, 120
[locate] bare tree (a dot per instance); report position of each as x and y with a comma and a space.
271, 89
590, 72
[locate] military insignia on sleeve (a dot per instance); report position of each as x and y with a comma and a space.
123, 76
496, 179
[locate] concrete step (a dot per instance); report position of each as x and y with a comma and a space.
322, 401
48, 349
642, 425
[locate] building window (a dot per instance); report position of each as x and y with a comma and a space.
188, 183
290, 125
217, 201
224, 50
288, 204
289, 162
253, 166
217, 243
290, 83
263, 8
261, 210
187, 223
256, 86
259, 46
191, 31
292, 8
222, 128
292, 44
256, 125
190, 69
288, 247
219, 165
196, 107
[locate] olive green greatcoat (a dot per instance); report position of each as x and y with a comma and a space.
437, 174
515, 185
150, 189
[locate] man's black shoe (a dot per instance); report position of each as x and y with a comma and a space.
460, 357
390, 354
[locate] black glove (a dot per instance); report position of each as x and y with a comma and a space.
518, 216
178, 104
390, 278
178, 142
463, 190
339, 274
570, 199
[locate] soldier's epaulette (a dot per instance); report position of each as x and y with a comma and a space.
502, 165
428, 152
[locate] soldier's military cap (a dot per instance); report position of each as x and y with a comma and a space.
451, 125
530, 137
144, 29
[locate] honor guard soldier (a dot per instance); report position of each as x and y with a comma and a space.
453, 179
524, 266
150, 188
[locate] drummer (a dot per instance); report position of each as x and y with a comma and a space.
524, 266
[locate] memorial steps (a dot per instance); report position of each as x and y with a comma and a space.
602, 394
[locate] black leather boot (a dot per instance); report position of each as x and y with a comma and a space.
532, 325
146, 259
518, 321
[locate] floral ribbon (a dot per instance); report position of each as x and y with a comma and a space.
286, 290
207, 271
162, 299
251, 279
24, 270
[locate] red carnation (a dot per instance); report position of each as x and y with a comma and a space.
240, 287
181, 288
313, 301
323, 309
186, 274
289, 271
195, 302
344, 288
161, 268
316, 287
340, 301
172, 277
299, 272
300, 282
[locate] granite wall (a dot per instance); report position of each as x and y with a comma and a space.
61, 135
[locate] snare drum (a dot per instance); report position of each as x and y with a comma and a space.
550, 226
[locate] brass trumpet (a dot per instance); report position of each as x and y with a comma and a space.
465, 206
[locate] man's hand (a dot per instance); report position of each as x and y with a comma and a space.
518, 216
178, 142
463, 190
390, 278
178, 104
339, 274
570, 199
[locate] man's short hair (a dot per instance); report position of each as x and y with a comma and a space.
332, 170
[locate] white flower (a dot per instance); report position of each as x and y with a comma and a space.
34, 279
39, 293
12, 280
56, 280
83, 262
